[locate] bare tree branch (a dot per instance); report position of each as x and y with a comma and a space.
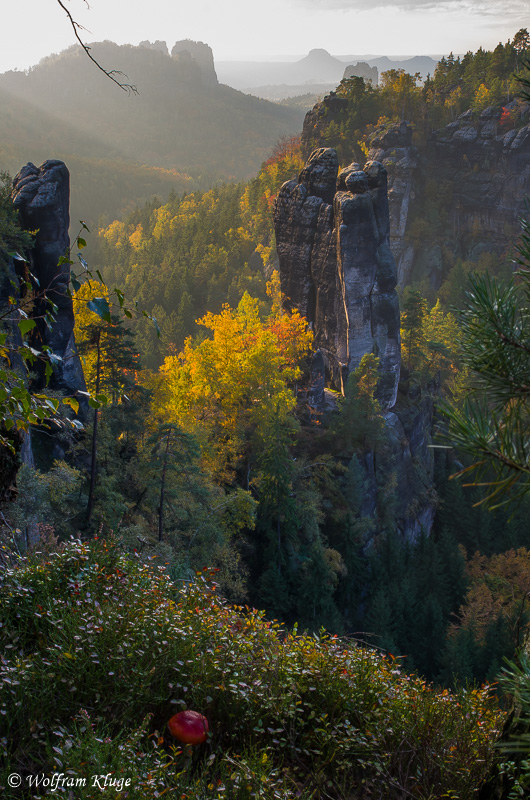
127, 87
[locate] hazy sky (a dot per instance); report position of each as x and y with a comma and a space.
238, 29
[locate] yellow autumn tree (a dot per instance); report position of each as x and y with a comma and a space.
87, 326
226, 387
441, 332
482, 98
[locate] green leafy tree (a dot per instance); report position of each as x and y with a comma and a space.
402, 91
521, 44
44, 499
111, 363
19, 406
173, 463
414, 308
360, 423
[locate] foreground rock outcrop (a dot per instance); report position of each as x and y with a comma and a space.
42, 195
336, 266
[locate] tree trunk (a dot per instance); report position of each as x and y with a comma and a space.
162, 491
93, 462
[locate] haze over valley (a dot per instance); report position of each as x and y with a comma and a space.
194, 121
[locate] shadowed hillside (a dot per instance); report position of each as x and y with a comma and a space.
103, 183
179, 119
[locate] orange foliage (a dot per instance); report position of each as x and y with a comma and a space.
500, 586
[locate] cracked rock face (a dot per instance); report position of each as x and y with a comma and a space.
42, 195
336, 266
392, 146
483, 169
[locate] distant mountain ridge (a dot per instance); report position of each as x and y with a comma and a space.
425, 65
182, 123
318, 66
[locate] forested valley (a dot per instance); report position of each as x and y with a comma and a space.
195, 478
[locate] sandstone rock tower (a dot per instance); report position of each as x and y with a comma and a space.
42, 196
336, 266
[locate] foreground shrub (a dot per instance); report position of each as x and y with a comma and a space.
99, 651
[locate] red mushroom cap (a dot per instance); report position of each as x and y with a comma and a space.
189, 727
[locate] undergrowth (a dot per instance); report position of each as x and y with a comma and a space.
98, 651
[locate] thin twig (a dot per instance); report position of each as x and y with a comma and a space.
127, 87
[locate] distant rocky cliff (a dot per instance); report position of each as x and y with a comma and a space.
362, 70
181, 120
157, 45
197, 52
336, 267
202, 55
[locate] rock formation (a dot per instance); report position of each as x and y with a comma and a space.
336, 267
486, 159
391, 144
41, 195
330, 108
362, 70
458, 195
202, 55
158, 45
464, 189
408, 452
479, 165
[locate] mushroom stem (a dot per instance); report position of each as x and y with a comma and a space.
188, 753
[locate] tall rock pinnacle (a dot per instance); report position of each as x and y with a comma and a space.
336, 266
42, 196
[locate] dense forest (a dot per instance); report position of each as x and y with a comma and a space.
473, 81
201, 474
